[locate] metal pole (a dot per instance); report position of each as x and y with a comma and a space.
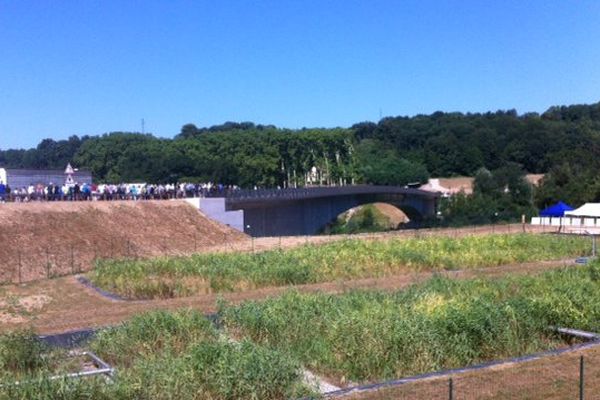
72, 260
581, 371
20, 266
450, 389
47, 263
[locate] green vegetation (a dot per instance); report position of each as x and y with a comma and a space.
343, 260
366, 218
359, 336
20, 352
562, 142
162, 355
500, 195
369, 336
24, 359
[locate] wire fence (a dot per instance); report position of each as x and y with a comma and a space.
573, 375
52, 258
47, 260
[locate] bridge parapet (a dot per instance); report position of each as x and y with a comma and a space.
304, 211
328, 191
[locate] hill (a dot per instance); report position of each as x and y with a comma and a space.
56, 238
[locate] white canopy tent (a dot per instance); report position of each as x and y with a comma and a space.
590, 210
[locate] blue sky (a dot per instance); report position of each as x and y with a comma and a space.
90, 67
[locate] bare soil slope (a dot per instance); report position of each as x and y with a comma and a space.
394, 214
38, 240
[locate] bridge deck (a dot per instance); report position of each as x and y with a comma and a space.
241, 196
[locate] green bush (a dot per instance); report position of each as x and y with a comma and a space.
20, 351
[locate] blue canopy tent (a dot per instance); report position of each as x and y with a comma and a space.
557, 210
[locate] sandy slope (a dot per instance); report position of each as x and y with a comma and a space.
65, 237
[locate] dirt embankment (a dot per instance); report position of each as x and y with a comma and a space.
38, 240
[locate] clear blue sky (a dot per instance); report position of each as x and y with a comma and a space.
90, 67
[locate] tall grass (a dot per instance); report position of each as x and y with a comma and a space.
350, 259
20, 352
162, 355
369, 336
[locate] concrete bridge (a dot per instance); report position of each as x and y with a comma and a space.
305, 211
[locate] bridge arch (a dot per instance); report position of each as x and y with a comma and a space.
305, 211
372, 217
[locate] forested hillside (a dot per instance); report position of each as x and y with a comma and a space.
563, 142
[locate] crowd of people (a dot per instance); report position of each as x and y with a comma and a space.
108, 192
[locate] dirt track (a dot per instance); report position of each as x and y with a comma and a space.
549, 378
72, 306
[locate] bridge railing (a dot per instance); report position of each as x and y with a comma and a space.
304, 193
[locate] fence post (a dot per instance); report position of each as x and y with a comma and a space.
581, 381
450, 389
47, 263
20, 265
72, 260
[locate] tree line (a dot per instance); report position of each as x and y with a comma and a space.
563, 143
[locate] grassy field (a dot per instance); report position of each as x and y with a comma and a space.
370, 336
344, 260
360, 336
158, 355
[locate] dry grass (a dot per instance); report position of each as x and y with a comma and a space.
549, 378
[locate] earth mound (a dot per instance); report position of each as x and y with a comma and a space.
40, 240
